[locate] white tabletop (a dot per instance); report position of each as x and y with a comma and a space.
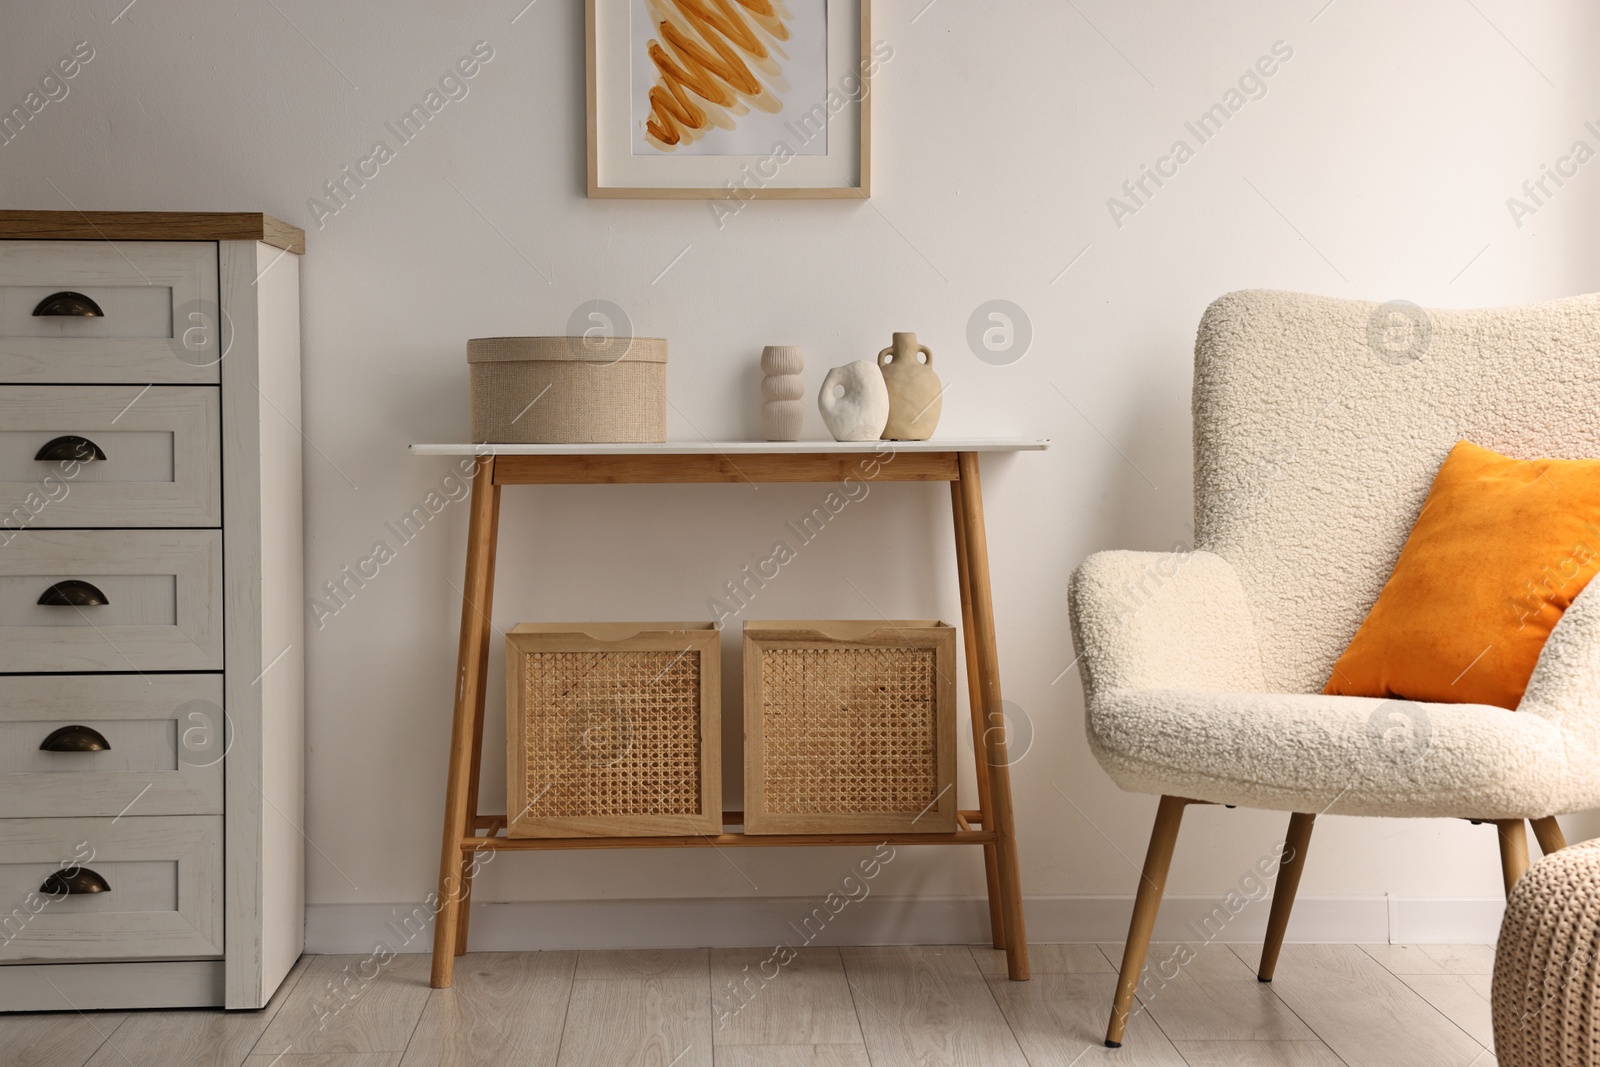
735, 448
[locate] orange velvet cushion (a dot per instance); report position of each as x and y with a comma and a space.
1501, 547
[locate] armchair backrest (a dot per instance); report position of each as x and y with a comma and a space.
1319, 424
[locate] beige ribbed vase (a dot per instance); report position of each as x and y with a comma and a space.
1547, 964
783, 412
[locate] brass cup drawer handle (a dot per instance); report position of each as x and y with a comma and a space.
75, 738
67, 303
74, 881
73, 593
70, 447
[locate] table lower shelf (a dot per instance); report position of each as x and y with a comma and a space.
495, 825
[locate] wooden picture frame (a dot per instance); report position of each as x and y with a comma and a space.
847, 697
619, 169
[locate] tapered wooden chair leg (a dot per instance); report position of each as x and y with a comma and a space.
1295, 843
1548, 831
1513, 850
1152, 883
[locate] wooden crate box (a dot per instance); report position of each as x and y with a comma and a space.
849, 727
613, 730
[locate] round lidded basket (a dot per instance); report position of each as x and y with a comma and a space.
568, 390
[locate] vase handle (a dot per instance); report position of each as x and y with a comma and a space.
886, 352
925, 350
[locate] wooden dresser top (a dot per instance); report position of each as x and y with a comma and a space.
151, 226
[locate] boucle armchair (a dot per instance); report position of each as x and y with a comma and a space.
1318, 427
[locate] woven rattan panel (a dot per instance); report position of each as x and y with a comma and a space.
612, 733
848, 730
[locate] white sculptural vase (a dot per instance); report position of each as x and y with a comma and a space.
855, 401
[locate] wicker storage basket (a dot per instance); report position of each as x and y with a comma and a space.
849, 727
556, 390
612, 730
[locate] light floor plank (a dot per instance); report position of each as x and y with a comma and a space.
1258, 1054
1457, 1001
1207, 993
927, 1007
1060, 1020
644, 963
351, 1004
506, 1009
758, 999
1046, 959
1434, 959
1367, 1016
618, 1021
325, 1059
55, 1040
209, 1038
792, 1056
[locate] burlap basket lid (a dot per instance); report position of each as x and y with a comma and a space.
576, 349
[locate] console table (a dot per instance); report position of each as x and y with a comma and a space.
955, 461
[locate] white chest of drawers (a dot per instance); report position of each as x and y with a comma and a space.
151, 618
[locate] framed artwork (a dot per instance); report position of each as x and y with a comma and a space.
730, 99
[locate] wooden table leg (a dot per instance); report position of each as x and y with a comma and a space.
466, 734
994, 734
469, 861
991, 868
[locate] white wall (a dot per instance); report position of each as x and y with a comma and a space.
1377, 165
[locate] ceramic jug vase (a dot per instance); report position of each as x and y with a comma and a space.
915, 395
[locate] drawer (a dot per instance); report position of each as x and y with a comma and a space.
161, 449
158, 304
161, 593
162, 896
82, 745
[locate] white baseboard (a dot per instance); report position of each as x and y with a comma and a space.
739, 922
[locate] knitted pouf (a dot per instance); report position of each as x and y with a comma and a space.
1547, 964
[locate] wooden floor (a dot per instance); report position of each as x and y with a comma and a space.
1378, 1005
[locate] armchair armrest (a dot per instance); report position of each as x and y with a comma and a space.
1163, 620
1565, 685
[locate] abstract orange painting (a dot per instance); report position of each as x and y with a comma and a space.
730, 99
721, 77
